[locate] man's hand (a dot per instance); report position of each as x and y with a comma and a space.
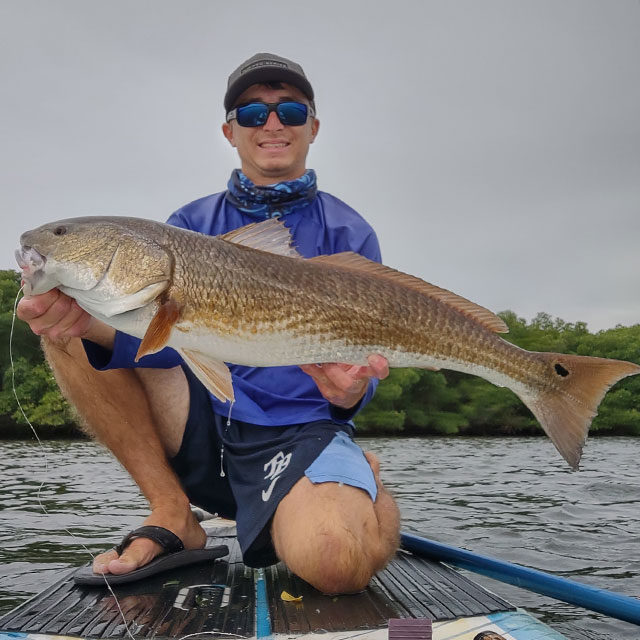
343, 385
56, 315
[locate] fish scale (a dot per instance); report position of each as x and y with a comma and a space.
247, 297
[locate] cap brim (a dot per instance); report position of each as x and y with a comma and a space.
262, 76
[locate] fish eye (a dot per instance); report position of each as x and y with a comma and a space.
59, 231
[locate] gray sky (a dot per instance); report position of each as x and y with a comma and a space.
494, 146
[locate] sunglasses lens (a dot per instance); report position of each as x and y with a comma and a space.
255, 114
252, 115
292, 113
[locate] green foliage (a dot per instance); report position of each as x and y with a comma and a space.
381, 414
485, 405
38, 393
618, 412
543, 333
24, 343
408, 401
422, 399
35, 385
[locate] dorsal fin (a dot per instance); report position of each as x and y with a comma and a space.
356, 262
271, 236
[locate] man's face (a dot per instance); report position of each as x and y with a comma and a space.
273, 152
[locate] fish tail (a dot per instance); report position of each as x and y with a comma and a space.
566, 407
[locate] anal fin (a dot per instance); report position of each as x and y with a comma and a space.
214, 374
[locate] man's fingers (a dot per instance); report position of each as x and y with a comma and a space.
311, 369
73, 323
344, 375
323, 377
81, 326
31, 307
350, 379
378, 366
335, 375
333, 381
56, 313
344, 384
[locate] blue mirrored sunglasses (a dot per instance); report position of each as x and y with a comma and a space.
255, 114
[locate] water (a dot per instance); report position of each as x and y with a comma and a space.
510, 498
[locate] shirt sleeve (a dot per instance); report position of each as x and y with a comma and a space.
371, 248
124, 352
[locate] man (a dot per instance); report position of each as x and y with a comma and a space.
281, 461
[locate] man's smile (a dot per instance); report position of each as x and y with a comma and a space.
273, 144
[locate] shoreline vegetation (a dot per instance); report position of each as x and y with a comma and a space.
409, 402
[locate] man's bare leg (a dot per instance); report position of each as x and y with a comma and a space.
333, 536
140, 415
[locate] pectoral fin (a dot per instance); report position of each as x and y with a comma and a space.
214, 374
159, 329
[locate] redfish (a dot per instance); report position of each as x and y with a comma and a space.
247, 297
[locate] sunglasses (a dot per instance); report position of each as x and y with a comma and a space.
255, 114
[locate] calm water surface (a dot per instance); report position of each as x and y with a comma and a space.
510, 498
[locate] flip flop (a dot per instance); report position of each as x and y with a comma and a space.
175, 555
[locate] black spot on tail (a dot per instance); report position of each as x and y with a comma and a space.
560, 370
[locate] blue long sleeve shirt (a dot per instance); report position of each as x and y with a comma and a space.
272, 396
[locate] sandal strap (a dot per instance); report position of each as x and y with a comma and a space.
168, 540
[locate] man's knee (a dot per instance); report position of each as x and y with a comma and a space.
332, 536
331, 559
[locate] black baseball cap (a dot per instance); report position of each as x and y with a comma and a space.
262, 68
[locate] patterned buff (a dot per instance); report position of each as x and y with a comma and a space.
273, 200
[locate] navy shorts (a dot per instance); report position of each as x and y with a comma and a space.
241, 471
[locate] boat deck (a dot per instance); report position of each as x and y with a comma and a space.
226, 599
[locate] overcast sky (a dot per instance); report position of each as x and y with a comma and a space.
494, 146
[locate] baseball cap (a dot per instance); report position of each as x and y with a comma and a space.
262, 68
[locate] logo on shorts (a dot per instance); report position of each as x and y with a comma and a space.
274, 469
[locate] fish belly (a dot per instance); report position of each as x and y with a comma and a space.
281, 348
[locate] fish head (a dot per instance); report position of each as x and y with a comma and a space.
68, 252
99, 259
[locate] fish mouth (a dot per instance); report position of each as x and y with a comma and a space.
32, 263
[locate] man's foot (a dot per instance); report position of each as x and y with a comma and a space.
142, 550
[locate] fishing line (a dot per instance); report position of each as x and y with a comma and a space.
46, 461
46, 473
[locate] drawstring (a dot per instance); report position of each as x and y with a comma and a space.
222, 473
